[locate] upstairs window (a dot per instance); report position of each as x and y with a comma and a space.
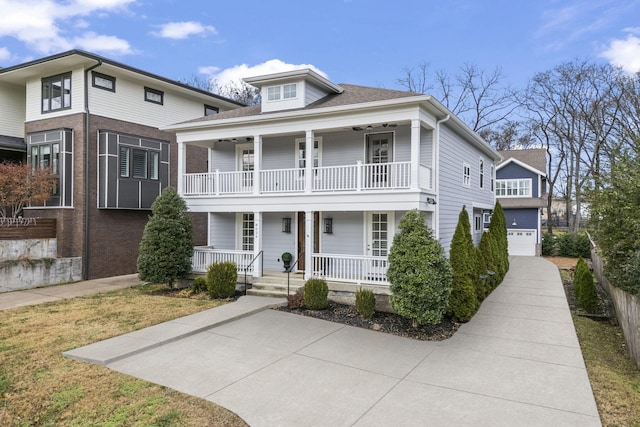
481, 173
466, 175
493, 175
152, 95
276, 93
56, 93
138, 163
513, 187
102, 81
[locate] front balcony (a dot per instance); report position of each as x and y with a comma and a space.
349, 178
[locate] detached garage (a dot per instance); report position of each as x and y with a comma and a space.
522, 242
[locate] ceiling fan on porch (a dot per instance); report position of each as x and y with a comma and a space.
371, 128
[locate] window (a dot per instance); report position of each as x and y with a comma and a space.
247, 232
481, 173
487, 218
276, 93
466, 175
209, 110
301, 154
102, 81
477, 223
152, 95
273, 93
52, 150
56, 93
289, 91
138, 163
513, 187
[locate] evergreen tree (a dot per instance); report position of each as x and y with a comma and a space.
167, 243
419, 272
498, 231
584, 288
486, 248
463, 302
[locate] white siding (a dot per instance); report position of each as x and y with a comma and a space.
34, 97
426, 147
223, 158
453, 195
12, 105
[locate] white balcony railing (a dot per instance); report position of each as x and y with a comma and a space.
351, 268
204, 256
358, 177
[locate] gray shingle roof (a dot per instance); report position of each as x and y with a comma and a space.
352, 94
12, 143
534, 157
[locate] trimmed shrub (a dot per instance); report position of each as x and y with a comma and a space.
365, 303
483, 284
584, 288
548, 244
419, 272
167, 244
296, 300
221, 279
316, 294
498, 230
574, 245
486, 250
463, 302
199, 285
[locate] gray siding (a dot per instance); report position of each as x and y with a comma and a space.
313, 93
223, 157
453, 195
426, 147
342, 148
279, 153
348, 234
274, 241
222, 230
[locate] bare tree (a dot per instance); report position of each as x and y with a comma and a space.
480, 99
238, 91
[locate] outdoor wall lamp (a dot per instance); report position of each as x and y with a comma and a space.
514, 223
286, 225
328, 225
431, 201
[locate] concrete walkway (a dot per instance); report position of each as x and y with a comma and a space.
517, 362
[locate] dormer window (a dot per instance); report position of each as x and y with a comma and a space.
276, 93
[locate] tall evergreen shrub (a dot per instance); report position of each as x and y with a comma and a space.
584, 288
463, 302
419, 272
498, 232
167, 243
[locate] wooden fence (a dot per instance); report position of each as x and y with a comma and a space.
27, 228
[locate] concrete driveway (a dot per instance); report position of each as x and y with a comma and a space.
517, 362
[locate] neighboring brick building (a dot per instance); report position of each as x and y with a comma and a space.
97, 123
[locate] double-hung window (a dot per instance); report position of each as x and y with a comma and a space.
56, 93
286, 91
513, 187
481, 173
466, 175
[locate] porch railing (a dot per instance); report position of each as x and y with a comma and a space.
358, 177
351, 268
204, 256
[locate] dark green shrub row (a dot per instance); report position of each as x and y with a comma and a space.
476, 270
221, 279
584, 287
572, 245
548, 244
316, 294
365, 303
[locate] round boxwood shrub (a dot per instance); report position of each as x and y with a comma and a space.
221, 279
316, 294
365, 303
199, 285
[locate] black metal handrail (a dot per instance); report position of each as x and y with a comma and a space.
291, 268
247, 268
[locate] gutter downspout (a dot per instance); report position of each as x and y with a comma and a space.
436, 175
85, 243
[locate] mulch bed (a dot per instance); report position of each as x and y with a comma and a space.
383, 322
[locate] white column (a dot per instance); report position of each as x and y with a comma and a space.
308, 244
415, 154
257, 243
257, 163
182, 159
308, 172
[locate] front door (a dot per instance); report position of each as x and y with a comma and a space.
378, 242
379, 154
302, 237
245, 164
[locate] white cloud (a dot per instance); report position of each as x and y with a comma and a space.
624, 53
4, 54
100, 43
182, 30
237, 73
38, 23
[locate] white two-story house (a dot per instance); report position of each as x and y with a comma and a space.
326, 171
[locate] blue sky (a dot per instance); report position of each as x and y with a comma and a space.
366, 42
